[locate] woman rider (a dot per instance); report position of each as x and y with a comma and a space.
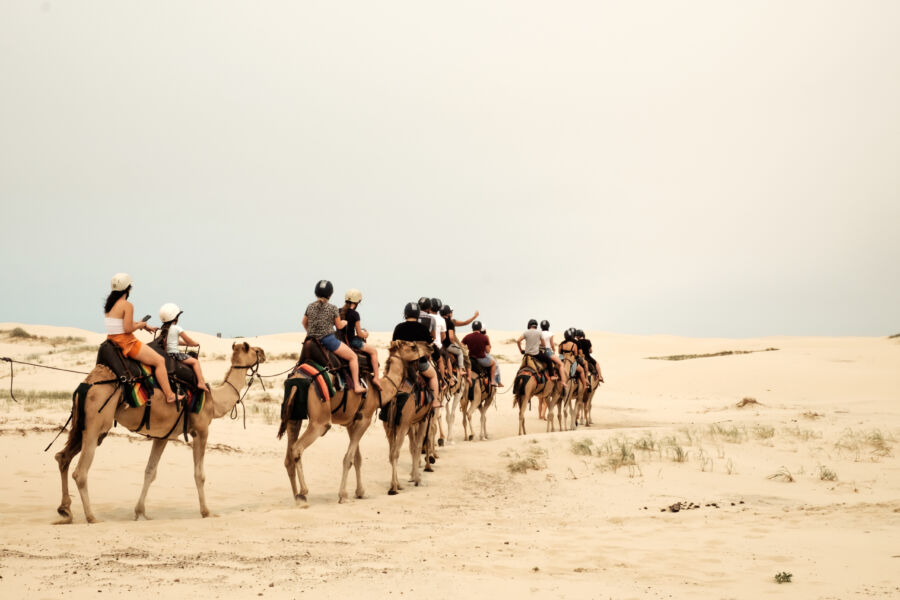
120, 328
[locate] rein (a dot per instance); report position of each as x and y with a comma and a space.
12, 374
252, 371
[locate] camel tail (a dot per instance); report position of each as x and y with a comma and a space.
73, 442
519, 385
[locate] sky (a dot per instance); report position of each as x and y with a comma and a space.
696, 168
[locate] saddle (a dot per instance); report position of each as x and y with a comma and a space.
420, 394
314, 351
178, 371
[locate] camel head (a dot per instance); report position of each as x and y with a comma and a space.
245, 355
409, 351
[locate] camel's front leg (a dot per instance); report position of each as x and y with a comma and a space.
416, 439
290, 465
149, 475
312, 432
452, 406
483, 409
199, 445
355, 431
395, 442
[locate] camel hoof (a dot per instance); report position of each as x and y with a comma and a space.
205, 513
64, 511
392, 492
361, 494
342, 499
93, 519
471, 437
300, 498
428, 469
431, 459
440, 441
63, 521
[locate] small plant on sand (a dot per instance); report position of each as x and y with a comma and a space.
826, 474
730, 434
535, 459
706, 461
763, 432
645, 443
583, 447
621, 453
20, 334
879, 444
803, 434
812, 415
747, 401
782, 474
783, 577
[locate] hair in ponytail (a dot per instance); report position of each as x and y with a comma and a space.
114, 297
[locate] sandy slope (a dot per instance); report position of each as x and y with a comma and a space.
576, 528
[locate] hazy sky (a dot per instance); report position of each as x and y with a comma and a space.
695, 168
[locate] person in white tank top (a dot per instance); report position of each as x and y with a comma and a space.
173, 333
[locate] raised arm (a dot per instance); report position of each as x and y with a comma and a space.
467, 321
187, 339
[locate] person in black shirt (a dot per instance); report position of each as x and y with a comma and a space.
450, 341
585, 346
411, 330
354, 335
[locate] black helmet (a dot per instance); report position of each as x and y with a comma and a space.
579, 333
570, 334
324, 289
411, 311
424, 303
476, 325
446, 310
545, 325
436, 304
532, 323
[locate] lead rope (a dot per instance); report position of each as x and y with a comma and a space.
12, 374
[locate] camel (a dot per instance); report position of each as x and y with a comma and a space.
412, 421
102, 405
482, 398
345, 407
594, 381
527, 384
553, 396
451, 401
572, 396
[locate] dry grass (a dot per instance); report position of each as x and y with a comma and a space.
782, 474
713, 354
19, 334
747, 401
826, 474
31, 400
535, 459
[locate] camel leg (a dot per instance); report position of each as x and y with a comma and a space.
439, 415
473, 405
88, 447
312, 432
64, 459
452, 406
416, 438
357, 464
355, 431
149, 475
290, 465
395, 442
199, 447
483, 408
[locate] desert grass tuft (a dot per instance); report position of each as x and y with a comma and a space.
535, 459
583, 447
710, 355
783, 577
826, 474
782, 474
763, 432
746, 401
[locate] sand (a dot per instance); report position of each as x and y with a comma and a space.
585, 524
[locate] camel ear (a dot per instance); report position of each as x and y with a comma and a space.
233, 345
246, 347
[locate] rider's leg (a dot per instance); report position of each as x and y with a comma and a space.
195, 365
345, 352
153, 358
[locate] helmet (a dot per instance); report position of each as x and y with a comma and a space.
169, 312
579, 333
570, 334
532, 323
120, 282
436, 304
476, 326
446, 310
324, 289
411, 310
353, 295
545, 325
424, 303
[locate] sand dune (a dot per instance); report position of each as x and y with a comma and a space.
591, 521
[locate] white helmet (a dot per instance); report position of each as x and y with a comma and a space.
169, 312
120, 282
353, 295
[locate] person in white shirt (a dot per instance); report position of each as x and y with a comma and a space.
549, 348
172, 333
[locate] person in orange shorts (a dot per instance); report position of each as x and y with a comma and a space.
120, 328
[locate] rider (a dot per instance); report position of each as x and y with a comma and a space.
585, 346
320, 320
450, 341
548, 345
428, 316
120, 328
570, 347
532, 338
479, 346
411, 330
354, 335
171, 333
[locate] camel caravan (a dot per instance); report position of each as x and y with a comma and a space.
159, 392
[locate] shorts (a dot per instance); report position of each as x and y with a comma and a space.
423, 364
484, 362
180, 356
330, 342
357, 343
129, 344
548, 353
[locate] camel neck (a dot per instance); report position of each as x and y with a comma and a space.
226, 395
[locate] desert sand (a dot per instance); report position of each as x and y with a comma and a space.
805, 481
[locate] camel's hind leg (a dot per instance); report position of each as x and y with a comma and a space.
357, 464
290, 465
355, 431
149, 475
416, 439
395, 442
452, 407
